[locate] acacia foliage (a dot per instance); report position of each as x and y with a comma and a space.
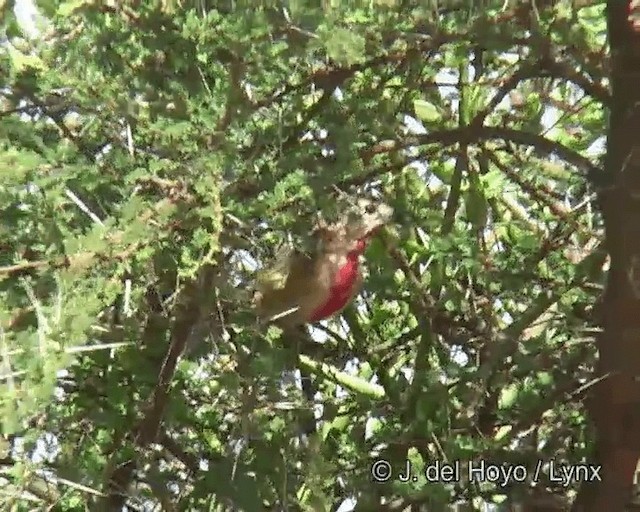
152, 152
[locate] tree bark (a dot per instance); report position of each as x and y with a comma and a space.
615, 407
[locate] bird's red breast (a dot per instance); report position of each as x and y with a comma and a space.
342, 289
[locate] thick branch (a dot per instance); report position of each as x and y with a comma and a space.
473, 134
146, 432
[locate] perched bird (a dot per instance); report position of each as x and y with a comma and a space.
301, 288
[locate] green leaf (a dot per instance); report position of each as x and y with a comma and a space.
68, 8
426, 111
21, 62
477, 207
509, 396
342, 45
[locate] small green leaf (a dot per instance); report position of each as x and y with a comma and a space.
545, 378
509, 396
68, 8
21, 62
426, 111
477, 207
342, 45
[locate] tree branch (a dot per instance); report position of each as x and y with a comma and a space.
473, 134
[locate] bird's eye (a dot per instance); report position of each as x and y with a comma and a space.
370, 208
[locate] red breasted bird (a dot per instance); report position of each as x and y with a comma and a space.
302, 288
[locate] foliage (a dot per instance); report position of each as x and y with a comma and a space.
153, 152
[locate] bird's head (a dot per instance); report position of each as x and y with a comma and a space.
366, 217
358, 223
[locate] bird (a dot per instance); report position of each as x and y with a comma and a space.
301, 287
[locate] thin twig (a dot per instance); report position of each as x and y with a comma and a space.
83, 206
